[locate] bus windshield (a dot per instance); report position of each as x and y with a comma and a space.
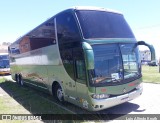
130, 60
114, 63
102, 24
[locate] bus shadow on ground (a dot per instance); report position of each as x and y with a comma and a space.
124, 108
37, 102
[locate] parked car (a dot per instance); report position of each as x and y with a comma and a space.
153, 63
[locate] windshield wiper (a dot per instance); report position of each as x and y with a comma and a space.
102, 79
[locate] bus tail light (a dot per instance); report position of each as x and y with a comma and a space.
100, 96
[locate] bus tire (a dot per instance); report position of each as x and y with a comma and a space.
16, 78
59, 93
20, 80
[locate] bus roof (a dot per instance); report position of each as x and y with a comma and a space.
71, 8
95, 8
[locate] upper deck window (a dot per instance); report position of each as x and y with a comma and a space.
102, 24
67, 30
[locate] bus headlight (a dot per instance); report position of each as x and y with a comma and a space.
139, 86
100, 96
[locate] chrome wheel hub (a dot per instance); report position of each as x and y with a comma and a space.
60, 94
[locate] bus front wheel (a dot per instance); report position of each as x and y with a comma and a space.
59, 93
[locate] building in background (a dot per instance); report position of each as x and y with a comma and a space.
145, 56
4, 47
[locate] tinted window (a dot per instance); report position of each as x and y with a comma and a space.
79, 65
68, 40
80, 68
42, 36
4, 61
67, 31
4, 57
101, 24
68, 62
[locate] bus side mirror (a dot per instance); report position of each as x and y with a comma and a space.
89, 55
152, 50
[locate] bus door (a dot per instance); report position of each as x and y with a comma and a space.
80, 75
75, 67
68, 62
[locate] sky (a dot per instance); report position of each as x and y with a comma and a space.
17, 17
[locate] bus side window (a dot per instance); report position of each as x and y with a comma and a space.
80, 69
42, 36
68, 39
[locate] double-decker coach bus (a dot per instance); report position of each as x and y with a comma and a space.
87, 56
4, 64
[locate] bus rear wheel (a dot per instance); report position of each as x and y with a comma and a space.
20, 80
59, 93
17, 78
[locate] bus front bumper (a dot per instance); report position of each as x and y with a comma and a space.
100, 104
